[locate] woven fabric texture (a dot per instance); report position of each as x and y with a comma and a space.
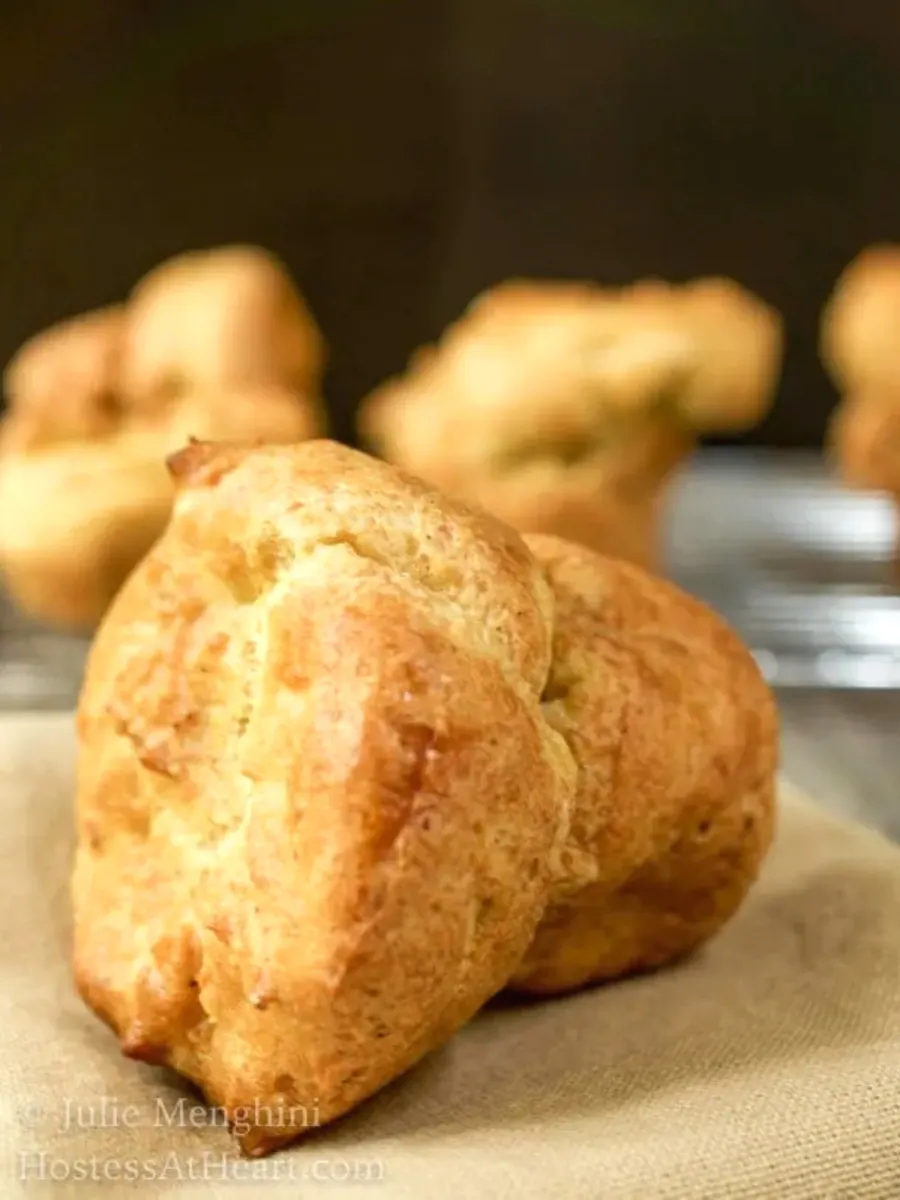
766, 1068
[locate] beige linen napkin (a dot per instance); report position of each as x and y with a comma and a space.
767, 1067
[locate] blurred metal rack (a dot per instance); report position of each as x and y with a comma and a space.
39, 671
801, 567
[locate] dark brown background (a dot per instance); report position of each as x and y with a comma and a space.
402, 154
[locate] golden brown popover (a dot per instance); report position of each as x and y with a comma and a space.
353, 758
210, 345
565, 407
861, 350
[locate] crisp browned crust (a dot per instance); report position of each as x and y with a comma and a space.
318, 804
675, 735
598, 392
216, 345
346, 747
860, 345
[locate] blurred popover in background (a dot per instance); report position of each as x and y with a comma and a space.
211, 345
565, 407
860, 343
